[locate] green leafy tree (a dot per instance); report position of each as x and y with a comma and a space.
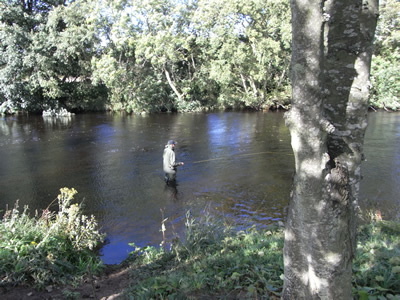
386, 60
19, 22
45, 54
61, 57
190, 54
151, 56
133, 83
248, 48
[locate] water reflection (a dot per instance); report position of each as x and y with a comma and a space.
171, 191
381, 170
237, 165
57, 122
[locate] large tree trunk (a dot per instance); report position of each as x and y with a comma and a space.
332, 42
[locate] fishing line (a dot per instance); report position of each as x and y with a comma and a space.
240, 155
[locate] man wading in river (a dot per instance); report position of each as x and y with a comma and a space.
169, 163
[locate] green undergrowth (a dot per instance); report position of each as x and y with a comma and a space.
217, 262
376, 269
212, 260
48, 249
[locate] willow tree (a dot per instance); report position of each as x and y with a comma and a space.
332, 47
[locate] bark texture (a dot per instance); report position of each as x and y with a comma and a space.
331, 54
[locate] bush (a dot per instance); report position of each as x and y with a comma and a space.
53, 248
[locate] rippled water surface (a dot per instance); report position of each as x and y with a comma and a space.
238, 165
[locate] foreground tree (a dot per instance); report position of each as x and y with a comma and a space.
332, 49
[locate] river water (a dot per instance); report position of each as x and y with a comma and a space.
238, 165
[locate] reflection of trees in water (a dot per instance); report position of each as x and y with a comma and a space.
380, 187
8, 126
19, 128
58, 122
248, 205
32, 164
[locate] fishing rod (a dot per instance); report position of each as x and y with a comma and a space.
244, 154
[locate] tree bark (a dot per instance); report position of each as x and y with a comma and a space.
332, 49
244, 83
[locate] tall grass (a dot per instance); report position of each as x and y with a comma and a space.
51, 248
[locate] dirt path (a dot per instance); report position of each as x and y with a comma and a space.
108, 286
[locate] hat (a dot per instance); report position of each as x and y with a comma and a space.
171, 142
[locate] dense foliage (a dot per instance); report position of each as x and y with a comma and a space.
161, 55
187, 55
386, 61
51, 248
45, 53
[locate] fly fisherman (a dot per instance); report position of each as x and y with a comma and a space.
169, 163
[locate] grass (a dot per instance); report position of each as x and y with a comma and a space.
215, 261
376, 270
51, 248
212, 260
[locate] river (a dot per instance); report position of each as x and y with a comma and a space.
238, 165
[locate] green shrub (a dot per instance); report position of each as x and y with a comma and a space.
49, 249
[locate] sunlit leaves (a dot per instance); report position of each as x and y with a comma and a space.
51, 248
188, 53
46, 53
377, 265
249, 46
236, 51
385, 64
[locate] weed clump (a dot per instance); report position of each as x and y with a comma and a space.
53, 248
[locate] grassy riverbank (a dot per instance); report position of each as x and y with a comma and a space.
212, 261
215, 261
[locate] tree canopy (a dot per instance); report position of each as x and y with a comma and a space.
164, 55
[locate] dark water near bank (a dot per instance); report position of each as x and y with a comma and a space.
238, 165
